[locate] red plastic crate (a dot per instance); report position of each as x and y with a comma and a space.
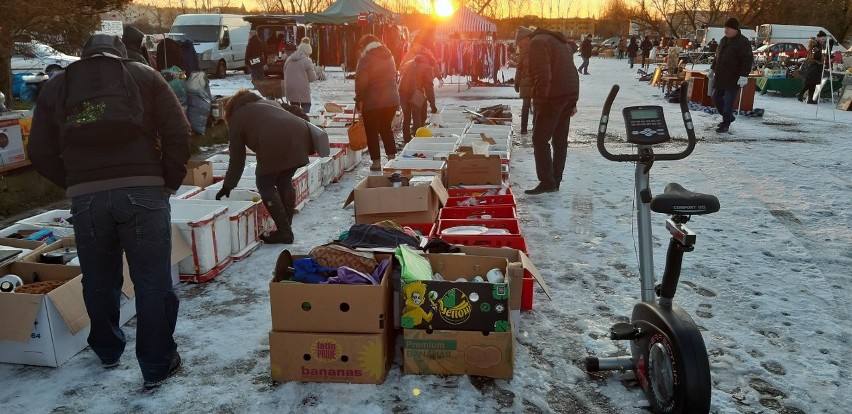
513, 240
496, 212
471, 191
426, 229
506, 200
502, 223
300, 183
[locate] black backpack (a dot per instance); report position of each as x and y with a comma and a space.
102, 103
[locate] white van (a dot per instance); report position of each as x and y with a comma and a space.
705, 35
220, 40
788, 33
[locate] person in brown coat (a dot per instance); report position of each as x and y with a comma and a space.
415, 79
377, 97
281, 142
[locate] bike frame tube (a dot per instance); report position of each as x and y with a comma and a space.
643, 219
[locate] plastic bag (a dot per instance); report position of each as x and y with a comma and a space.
413, 265
174, 76
198, 100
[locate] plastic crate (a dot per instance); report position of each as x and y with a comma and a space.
509, 224
300, 183
58, 221
434, 139
474, 191
527, 291
315, 186
473, 213
514, 241
422, 145
507, 199
206, 229
339, 157
425, 229
186, 191
242, 218
264, 221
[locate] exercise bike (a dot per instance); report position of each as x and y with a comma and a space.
668, 354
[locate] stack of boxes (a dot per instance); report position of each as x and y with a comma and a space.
331, 332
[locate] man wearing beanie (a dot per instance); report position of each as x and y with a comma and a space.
730, 71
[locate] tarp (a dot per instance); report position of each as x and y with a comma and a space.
465, 20
347, 11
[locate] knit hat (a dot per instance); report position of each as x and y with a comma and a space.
522, 33
821, 34
305, 48
733, 23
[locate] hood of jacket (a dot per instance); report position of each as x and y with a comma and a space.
104, 44
132, 37
240, 100
558, 35
297, 55
377, 49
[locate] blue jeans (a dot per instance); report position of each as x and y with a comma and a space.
550, 125
724, 100
135, 222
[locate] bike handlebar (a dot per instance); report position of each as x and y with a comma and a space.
687, 122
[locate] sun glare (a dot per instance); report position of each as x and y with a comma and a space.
443, 8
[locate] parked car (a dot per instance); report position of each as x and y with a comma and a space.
770, 51
38, 57
612, 42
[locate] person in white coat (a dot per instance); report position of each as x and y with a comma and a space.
299, 72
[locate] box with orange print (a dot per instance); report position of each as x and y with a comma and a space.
330, 357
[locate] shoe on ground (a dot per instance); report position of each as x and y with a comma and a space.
722, 128
174, 367
586, 73
277, 237
110, 364
800, 97
812, 102
377, 166
543, 188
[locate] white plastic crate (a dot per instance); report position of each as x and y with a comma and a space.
186, 191
242, 184
58, 221
300, 183
493, 130
242, 217
338, 156
410, 166
314, 167
420, 145
423, 154
264, 221
220, 163
447, 139
205, 228
328, 170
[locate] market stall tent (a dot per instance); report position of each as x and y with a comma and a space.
464, 20
347, 11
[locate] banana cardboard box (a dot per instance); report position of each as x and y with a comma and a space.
486, 354
452, 304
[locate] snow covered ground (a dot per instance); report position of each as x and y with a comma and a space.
768, 282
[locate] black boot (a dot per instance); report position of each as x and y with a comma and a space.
800, 96
284, 233
543, 188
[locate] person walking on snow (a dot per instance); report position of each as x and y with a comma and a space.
585, 54
730, 71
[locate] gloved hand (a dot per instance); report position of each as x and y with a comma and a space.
434, 110
517, 88
742, 81
224, 192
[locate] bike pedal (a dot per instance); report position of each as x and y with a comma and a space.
623, 331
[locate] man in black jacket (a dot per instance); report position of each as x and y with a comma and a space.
119, 167
136, 51
585, 54
730, 71
255, 59
555, 94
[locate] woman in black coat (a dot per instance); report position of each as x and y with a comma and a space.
377, 97
812, 70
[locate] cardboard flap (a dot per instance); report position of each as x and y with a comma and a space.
440, 191
474, 169
68, 300
349, 199
527, 263
18, 312
487, 138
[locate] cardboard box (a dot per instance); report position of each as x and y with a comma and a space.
304, 307
520, 268
324, 357
199, 173
375, 200
29, 248
49, 329
466, 306
474, 169
11, 145
440, 352
63, 243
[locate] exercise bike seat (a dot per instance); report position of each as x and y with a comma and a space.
677, 200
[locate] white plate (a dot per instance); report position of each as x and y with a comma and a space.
465, 230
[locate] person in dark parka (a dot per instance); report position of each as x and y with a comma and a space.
813, 68
119, 176
555, 94
585, 54
632, 51
730, 71
136, 51
281, 142
255, 59
377, 97
646, 47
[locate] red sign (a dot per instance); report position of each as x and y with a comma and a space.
362, 18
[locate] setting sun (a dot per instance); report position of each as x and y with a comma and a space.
443, 8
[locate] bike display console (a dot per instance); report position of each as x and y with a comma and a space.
645, 125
